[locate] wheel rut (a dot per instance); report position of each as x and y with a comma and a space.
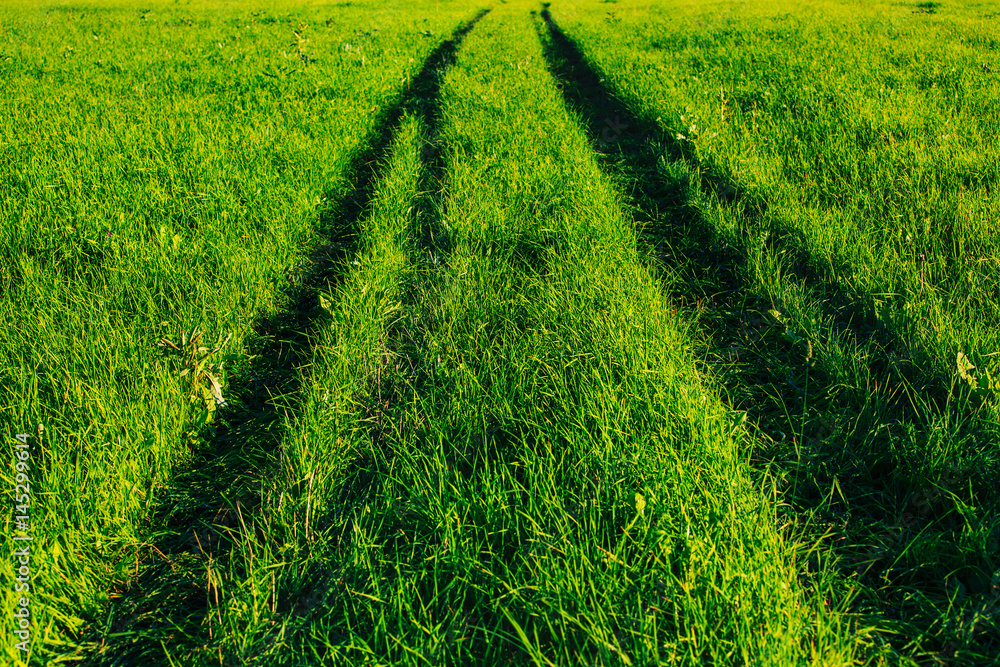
161, 613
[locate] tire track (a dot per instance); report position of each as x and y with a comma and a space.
830, 423
213, 498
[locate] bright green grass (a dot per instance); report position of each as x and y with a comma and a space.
494, 323
840, 162
164, 172
504, 451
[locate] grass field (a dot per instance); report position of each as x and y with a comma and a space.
582, 333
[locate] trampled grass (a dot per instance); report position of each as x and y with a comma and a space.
585, 333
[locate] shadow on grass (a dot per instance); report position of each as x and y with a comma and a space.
403, 532
164, 608
841, 439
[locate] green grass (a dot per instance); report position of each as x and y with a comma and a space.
166, 172
533, 471
819, 190
617, 333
